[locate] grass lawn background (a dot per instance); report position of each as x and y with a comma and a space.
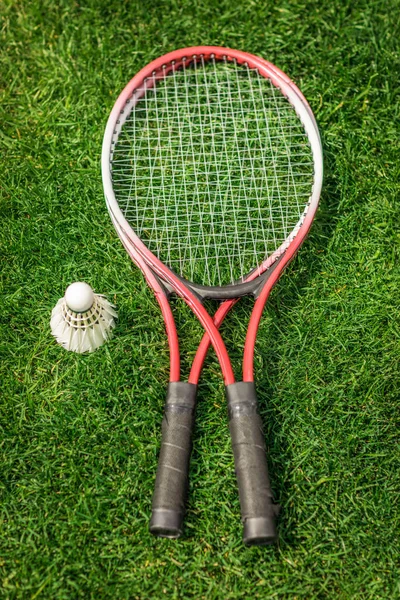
79, 435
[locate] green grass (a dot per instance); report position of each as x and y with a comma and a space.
79, 435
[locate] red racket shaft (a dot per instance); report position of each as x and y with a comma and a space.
173, 343
169, 498
170, 493
256, 500
258, 509
170, 490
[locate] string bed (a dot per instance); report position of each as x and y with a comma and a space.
212, 169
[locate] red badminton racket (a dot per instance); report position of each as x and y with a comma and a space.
212, 172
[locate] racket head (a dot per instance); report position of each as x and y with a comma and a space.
212, 168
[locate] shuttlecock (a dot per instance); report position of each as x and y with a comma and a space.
82, 320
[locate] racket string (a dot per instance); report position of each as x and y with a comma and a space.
213, 170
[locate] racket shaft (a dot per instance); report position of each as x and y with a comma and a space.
172, 478
256, 502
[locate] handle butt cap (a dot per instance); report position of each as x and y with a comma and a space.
259, 531
166, 523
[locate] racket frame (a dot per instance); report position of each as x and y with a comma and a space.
125, 103
164, 280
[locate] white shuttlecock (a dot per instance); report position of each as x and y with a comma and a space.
82, 320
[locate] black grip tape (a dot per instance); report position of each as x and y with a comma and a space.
172, 478
256, 502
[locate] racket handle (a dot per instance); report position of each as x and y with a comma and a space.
256, 502
169, 499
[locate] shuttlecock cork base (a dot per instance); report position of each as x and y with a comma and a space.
82, 320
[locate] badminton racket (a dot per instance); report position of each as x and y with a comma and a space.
212, 172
